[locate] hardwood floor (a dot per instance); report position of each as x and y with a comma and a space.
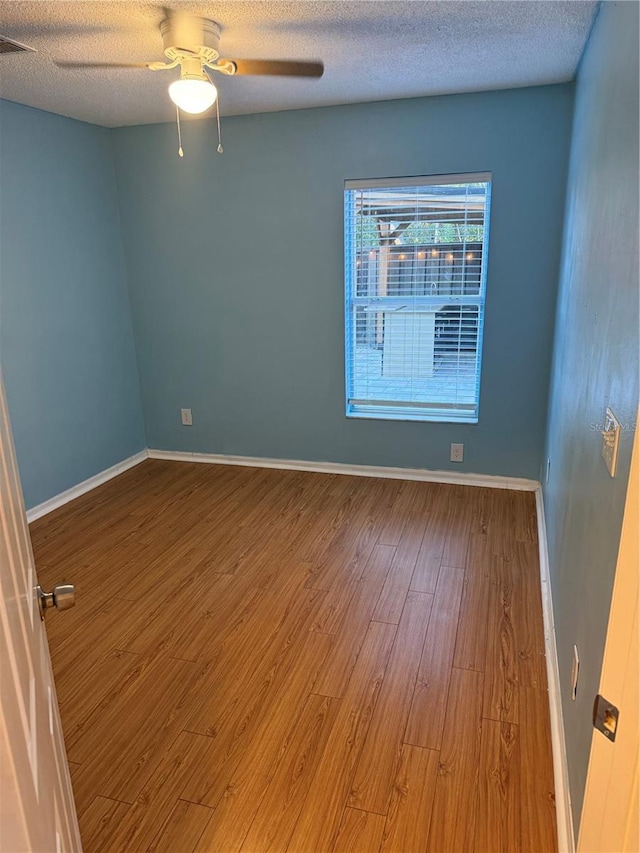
287, 661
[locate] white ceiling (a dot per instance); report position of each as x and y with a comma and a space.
372, 51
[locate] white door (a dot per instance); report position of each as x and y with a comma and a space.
37, 812
609, 821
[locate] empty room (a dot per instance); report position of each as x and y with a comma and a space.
319, 346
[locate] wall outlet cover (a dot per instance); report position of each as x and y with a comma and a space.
185, 414
457, 452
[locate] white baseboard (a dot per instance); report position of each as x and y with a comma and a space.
566, 840
453, 477
84, 487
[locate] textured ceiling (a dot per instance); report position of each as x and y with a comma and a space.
371, 50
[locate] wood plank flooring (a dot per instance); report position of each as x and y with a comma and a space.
279, 661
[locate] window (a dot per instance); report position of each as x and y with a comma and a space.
415, 275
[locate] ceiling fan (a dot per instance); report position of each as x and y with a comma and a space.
193, 43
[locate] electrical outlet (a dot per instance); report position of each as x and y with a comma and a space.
186, 417
457, 452
575, 670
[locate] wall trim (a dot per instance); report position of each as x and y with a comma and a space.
566, 840
85, 486
462, 479
453, 477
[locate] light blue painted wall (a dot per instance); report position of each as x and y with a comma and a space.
595, 363
235, 267
66, 342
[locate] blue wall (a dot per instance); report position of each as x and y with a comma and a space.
66, 341
235, 267
595, 363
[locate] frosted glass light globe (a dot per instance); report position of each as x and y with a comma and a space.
193, 96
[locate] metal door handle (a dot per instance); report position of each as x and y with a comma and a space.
63, 597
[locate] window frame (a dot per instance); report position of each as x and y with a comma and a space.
397, 410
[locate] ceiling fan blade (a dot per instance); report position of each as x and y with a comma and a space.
279, 68
102, 64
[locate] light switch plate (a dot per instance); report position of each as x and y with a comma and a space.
610, 441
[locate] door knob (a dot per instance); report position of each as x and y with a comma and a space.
63, 597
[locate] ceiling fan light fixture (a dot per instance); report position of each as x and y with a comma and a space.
193, 94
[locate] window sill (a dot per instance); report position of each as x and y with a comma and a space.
421, 417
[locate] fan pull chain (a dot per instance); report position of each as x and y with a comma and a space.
180, 151
219, 149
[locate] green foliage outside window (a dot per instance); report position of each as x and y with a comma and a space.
417, 233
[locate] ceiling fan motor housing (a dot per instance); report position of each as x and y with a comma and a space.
187, 36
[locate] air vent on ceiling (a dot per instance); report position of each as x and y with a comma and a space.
10, 46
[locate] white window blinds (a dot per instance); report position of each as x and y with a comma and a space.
415, 275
